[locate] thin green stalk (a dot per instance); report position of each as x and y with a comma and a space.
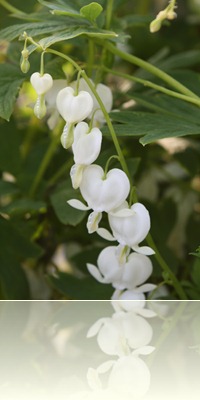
176, 284
150, 68
11, 8
155, 86
90, 63
60, 172
109, 13
44, 164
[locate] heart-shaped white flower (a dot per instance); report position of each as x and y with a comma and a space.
104, 193
41, 83
74, 108
87, 144
104, 93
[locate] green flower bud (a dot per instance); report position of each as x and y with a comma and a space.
40, 107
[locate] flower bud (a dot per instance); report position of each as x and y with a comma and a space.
24, 65
67, 136
40, 107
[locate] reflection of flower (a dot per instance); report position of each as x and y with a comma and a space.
126, 335
122, 333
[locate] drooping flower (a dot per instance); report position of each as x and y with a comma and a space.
74, 108
50, 97
86, 148
130, 275
101, 192
104, 193
41, 83
87, 144
130, 226
105, 95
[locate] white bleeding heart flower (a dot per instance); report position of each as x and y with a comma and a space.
105, 95
133, 294
74, 108
41, 83
130, 275
87, 144
104, 193
130, 226
50, 97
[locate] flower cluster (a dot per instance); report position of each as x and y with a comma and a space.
125, 335
125, 266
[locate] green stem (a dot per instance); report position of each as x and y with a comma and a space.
60, 172
109, 13
10, 8
165, 268
150, 68
45, 162
155, 86
90, 63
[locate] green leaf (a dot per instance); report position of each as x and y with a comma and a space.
196, 272
14, 284
23, 206
65, 213
8, 188
151, 126
10, 81
91, 11
15, 248
33, 29
75, 31
61, 9
196, 253
80, 289
10, 141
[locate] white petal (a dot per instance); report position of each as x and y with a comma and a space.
105, 366
78, 204
145, 250
147, 287
95, 273
94, 329
87, 145
105, 234
93, 221
145, 350
76, 174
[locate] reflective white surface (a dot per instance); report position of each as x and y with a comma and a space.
99, 350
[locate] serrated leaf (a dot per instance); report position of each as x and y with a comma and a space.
150, 126
75, 31
32, 29
65, 213
91, 11
10, 81
80, 289
61, 9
